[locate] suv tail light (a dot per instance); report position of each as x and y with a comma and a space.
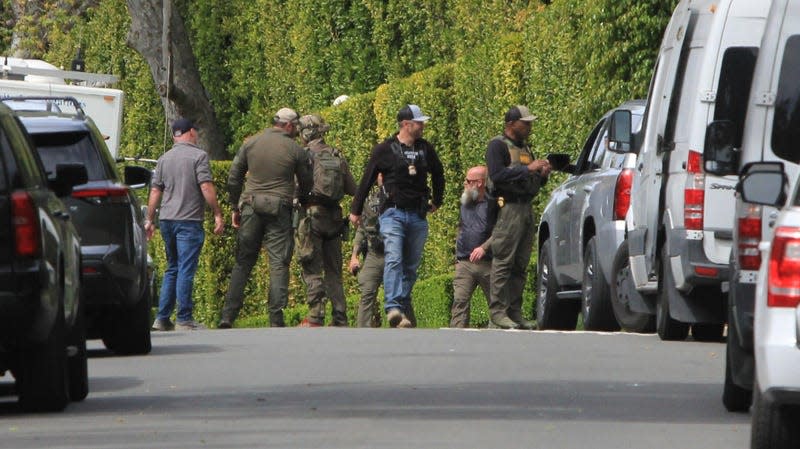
105, 194
622, 194
749, 235
694, 193
26, 225
783, 277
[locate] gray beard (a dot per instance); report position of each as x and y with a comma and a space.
469, 196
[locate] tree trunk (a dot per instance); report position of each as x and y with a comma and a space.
176, 76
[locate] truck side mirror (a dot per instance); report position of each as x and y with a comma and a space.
137, 177
619, 132
67, 177
720, 156
763, 183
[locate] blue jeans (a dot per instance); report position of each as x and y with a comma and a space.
183, 240
404, 233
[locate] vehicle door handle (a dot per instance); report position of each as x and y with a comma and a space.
570, 193
61, 214
588, 189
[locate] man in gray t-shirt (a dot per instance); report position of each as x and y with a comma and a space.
182, 183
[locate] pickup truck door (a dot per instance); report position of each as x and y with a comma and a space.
569, 207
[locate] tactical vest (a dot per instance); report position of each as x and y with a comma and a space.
371, 225
328, 186
524, 189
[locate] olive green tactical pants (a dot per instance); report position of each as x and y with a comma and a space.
322, 271
512, 246
469, 275
275, 231
370, 278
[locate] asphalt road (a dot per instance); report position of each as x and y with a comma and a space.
381, 388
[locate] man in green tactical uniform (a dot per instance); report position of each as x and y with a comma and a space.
369, 242
516, 177
320, 231
261, 187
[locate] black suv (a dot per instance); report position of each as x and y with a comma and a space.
42, 333
117, 278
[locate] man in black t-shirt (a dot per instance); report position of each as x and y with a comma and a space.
404, 160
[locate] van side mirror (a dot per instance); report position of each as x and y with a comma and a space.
137, 177
763, 183
67, 177
619, 132
720, 156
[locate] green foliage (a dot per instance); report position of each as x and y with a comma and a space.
6, 18
465, 62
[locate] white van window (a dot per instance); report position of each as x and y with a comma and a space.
786, 124
680, 112
735, 78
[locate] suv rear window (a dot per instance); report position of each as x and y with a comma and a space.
70, 148
786, 124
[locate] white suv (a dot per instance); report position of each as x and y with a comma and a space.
776, 397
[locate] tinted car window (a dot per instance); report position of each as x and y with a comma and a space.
583, 162
28, 171
735, 78
69, 148
786, 124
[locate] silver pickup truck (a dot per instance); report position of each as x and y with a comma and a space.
580, 231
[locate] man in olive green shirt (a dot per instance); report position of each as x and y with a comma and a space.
261, 187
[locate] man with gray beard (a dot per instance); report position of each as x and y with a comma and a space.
474, 261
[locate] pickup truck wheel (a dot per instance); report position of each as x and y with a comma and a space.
773, 425
77, 362
130, 333
595, 296
668, 329
551, 312
621, 290
42, 384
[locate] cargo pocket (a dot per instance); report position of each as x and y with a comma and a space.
267, 204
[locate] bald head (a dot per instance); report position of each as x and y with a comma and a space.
477, 172
474, 184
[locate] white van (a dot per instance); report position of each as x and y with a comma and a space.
36, 78
771, 135
679, 225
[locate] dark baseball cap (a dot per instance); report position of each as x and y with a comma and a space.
182, 126
519, 112
411, 112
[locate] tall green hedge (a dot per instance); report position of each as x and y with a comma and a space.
463, 61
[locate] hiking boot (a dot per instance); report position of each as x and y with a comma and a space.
224, 324
504, 322
405, 323
395, 317
189, 326
524, 324
162, 325
308, 323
